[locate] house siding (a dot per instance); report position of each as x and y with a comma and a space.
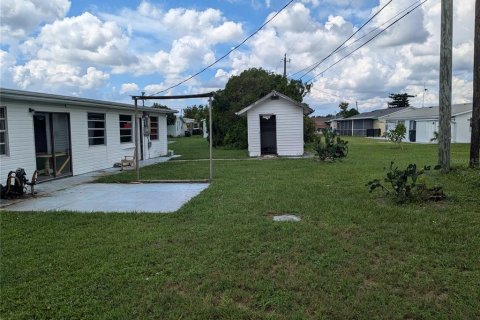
85, 158
177, 129
463, 128
289, 121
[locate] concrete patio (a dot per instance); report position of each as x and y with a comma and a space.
77, 193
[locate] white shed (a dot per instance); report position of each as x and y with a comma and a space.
275, 125
62, 136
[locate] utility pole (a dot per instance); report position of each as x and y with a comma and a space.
445, 92
285, 65
475, 139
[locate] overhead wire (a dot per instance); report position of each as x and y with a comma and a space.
229, 52
378, 27
368, 41
313, 67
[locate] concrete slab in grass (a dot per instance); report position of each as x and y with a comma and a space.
286, 217
100, 197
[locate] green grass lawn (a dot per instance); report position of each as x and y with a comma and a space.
353, 255
196, 147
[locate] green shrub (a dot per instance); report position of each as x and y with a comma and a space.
308, 129
398, 134
333, 148
405, 186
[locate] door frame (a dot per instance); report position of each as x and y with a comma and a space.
276, 142
52, 141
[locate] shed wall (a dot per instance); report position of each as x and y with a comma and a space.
289, 120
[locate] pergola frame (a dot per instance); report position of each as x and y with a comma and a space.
189, 96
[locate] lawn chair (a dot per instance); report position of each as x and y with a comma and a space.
32, 182
129, 160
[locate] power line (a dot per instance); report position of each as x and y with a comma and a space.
380, 26
368, 41
229, 52
341, 45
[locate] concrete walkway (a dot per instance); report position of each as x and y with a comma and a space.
50, 187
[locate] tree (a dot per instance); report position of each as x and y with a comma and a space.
345, 112
241, 91
399, 100
308, 129
196, 112
351, 112
343, 108
171, 118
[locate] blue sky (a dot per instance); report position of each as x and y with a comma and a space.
113, 49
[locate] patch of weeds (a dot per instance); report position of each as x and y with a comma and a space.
406, 186
333, 148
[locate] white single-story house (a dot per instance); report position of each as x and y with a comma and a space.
178, 128
422, 123
275, 125
62, 136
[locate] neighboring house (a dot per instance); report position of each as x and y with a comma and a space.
422, 123
321, 123
178, 128
63, 136
333, 123
366, 124
275, 125
192, 126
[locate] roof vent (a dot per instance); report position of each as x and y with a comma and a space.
274, 96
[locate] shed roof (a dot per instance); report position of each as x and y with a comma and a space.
375, 114
429, 112
272, 95
28, 96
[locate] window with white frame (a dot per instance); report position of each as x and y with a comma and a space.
96, 129
153, 128
125, 128
3, 131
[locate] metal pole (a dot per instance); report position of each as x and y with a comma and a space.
137, 158
445, 92
210, 135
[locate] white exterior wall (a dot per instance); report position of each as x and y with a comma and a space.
85, 158
462, 130
425, 130
289, 120
177, 129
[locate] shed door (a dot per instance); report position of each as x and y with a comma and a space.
268, 134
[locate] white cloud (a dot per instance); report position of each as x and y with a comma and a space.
128, 87
7, 62
81, 39
209, 24
18, 18
47, 75
174, 43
